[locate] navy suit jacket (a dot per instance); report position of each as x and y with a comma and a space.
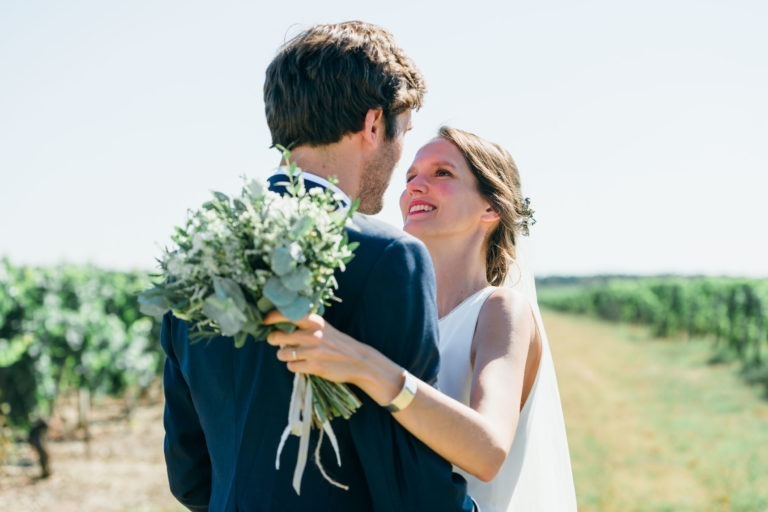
226, 407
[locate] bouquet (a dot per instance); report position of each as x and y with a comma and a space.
238, 258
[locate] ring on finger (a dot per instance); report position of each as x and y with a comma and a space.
293, 353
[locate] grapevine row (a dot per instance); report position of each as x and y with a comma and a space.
734, 312
71, 328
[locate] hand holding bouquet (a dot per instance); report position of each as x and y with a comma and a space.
238, 258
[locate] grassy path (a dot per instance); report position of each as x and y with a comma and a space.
652, 427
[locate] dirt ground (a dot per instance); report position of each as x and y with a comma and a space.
121, 469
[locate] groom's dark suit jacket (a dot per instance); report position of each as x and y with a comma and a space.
226, 407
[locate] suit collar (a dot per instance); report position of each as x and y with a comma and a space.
311, 181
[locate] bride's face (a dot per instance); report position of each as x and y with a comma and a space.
441, 197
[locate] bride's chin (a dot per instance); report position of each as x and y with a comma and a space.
408, 227
413, 230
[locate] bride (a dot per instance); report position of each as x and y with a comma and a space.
495, 414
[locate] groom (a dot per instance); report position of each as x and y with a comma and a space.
340, 96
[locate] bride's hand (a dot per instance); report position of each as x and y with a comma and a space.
317, 348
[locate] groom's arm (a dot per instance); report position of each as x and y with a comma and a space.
186, 452
399, 308
398, 316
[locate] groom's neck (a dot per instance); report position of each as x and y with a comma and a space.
337, 160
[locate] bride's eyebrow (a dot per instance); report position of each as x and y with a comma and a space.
438, 164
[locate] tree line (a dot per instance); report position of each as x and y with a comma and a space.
732, 312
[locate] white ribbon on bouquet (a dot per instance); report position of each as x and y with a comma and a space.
300, 424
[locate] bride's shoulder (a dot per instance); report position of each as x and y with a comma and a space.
507, 299
505, 324
505, 309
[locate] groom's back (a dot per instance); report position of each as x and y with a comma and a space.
371, 443
240, 398
388, 290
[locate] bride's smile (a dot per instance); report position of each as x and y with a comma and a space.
419, 207
442, 196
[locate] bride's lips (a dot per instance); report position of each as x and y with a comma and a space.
420, 207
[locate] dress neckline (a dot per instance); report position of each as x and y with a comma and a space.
464, 302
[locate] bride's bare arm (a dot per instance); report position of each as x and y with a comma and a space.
476, 438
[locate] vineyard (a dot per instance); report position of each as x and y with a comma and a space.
732, 312
75, 329
72, 336
68, 331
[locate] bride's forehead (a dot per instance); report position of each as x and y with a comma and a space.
438, 150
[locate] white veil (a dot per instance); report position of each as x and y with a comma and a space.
545, 479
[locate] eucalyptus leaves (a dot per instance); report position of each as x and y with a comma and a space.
238, 258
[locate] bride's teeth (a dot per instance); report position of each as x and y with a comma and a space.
421, 208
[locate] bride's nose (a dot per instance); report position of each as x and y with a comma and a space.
417, 184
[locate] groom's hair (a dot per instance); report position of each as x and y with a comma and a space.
322, 82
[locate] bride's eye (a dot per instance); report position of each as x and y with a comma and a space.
443, 172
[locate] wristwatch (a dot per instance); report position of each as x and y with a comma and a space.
406, 394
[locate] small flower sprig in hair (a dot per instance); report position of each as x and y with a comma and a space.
526, 219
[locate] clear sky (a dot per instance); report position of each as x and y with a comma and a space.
640, 128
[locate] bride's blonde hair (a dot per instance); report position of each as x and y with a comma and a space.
498, 181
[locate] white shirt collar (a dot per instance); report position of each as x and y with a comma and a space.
319, 180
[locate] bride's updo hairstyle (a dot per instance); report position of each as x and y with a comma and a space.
498, 181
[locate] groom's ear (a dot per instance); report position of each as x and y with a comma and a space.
373, 126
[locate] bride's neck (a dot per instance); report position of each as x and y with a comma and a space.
459, 269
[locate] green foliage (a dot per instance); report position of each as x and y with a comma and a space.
234, 252
237, 258
732, 311
69, 327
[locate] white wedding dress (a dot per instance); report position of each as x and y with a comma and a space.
536, 475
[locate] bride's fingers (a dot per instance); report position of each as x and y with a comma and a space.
280, 338
312, 322
298, 337
309, 322
298, 367
276, 338
290, 354
274, 317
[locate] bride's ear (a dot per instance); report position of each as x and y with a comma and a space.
490, 214
373, 126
